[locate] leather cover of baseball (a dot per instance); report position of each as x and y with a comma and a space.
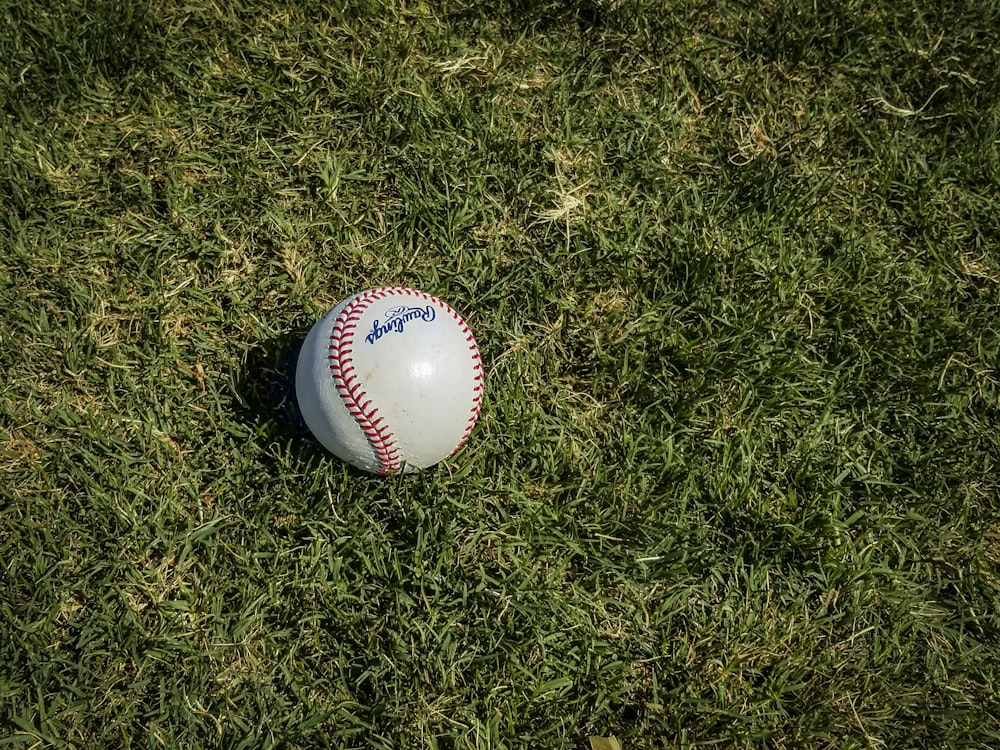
390, 380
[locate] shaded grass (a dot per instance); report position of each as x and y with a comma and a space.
733, 270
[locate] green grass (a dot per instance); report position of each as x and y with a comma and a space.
733, 268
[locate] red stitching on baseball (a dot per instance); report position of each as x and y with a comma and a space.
351, 391
372, 424
477, 398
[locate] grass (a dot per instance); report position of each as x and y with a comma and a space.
733, 268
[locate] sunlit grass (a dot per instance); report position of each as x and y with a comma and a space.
733, 271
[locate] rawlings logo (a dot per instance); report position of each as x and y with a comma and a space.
396, 319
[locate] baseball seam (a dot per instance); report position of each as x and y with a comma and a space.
477, 393
351, 390
477, 366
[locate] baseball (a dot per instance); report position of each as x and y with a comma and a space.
390, 380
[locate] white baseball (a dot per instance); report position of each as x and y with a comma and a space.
390, 380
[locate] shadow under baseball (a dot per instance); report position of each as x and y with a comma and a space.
265, 396
265, 387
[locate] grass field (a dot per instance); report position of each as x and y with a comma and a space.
733, 269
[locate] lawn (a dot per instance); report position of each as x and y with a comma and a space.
733, 270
